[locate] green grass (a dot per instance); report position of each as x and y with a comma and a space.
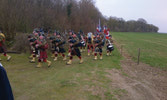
153, 47
87, 81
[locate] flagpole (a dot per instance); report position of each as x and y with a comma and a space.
99, 22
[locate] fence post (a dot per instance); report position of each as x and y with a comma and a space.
121, 49
138, 60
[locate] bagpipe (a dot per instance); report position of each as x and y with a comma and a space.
59, 41
56, 44
72, 41
52, 38
42, 44
79, 44
83, 43
56, 41
32, 40
52, 42
99, 42
98, 47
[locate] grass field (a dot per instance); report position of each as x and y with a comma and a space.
153, 47
87, 81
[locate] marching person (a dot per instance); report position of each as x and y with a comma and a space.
59, 46
81, 37
90, 39
30, 39
43, 46
74, 45
52, 38
109, 44
34, 49
2, 46
70, 37
85, 41
98, 43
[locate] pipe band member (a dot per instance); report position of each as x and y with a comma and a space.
75, 44
34, 49
80, 36
52, 38
90, 39
30, 39
43, 46
70, 37
98, 41
109, 45
2, 46
59, 46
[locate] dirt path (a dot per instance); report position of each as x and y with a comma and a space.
142, 82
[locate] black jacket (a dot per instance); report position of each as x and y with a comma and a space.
5, 88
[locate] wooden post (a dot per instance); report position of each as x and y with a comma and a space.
138, 60
121, 49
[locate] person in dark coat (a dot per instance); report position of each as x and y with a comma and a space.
5, 88
75, 44
70, 37
109, 44
90, 46
98, 44
59, 46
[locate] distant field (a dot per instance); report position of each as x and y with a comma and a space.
87, 81
153, 47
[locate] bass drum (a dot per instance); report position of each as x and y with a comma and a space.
110, 47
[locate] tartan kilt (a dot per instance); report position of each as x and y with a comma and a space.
76, 51
98, 49
62, 50
43, 55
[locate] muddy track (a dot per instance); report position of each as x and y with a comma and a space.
142, 82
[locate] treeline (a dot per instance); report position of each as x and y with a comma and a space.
120, 25
25, 15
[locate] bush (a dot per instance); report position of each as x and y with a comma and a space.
21, 43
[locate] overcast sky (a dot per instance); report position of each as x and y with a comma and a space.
153, 11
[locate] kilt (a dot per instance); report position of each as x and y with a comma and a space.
36, 51
43, 55
62, 50
76, 51
98, 49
